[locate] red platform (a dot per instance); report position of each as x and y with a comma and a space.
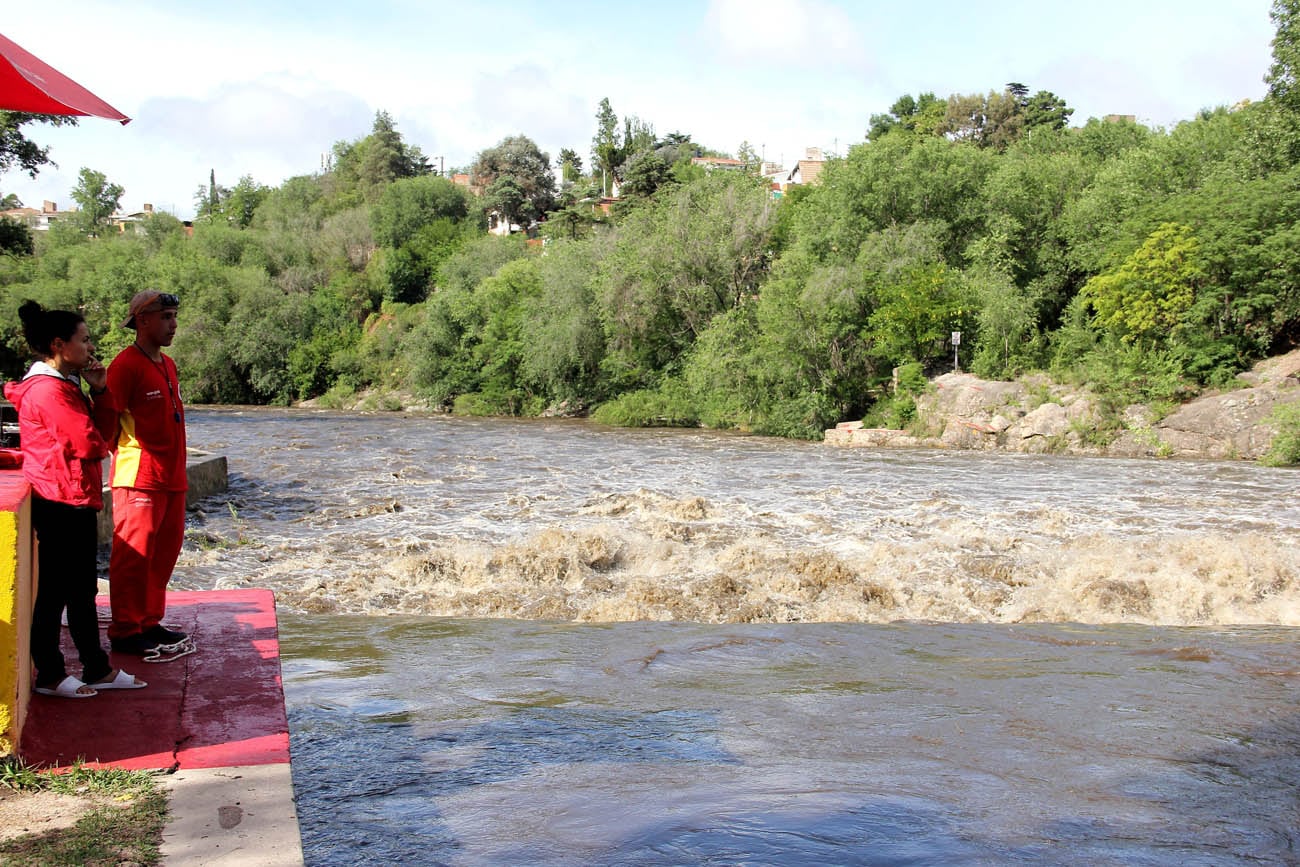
220, 707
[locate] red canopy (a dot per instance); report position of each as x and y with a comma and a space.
29, 84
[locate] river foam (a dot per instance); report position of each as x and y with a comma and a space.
643, 556
379, 514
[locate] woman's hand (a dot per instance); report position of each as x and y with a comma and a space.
95, 374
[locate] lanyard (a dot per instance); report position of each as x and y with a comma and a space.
171, 395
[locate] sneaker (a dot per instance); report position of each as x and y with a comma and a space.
160, 634
137, 644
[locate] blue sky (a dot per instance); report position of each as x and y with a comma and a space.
266, 88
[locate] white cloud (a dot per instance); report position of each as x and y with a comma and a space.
803, 33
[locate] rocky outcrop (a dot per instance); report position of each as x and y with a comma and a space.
1035, 415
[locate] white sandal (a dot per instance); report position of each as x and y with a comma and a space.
122, 680
69, 687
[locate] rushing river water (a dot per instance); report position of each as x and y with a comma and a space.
860, 657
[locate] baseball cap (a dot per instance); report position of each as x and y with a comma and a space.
149, 301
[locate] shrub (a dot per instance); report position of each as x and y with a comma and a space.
1285, 448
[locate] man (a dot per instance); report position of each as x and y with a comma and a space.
148, 482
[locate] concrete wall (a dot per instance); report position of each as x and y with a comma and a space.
206, 473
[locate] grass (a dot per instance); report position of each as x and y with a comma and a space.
121, 817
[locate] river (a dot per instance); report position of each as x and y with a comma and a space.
548, 642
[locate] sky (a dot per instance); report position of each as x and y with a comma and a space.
265, 88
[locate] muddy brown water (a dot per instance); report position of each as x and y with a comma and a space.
548, 642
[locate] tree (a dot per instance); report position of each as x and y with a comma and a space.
1282, 84
914, 312
570, 166
1045, 110
999, 119
98, 199
409, 204
507, 199
606, 149
1144, 300
243, 201
15, 238
530, 191
363, 167
678, 262
922, 114
18, 151
563, 341
208, 199
644, 173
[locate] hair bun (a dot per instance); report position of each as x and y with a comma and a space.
30, 311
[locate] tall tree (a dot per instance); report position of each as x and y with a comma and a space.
606, 147
530, 192
98, 200
569, 164
1045, 110
923, 114
363, 167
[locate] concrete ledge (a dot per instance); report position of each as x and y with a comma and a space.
232, 816
205, 473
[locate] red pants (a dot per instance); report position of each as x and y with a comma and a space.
148, 530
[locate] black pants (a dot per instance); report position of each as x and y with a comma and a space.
67, 541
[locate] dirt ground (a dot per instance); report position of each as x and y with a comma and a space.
23, 813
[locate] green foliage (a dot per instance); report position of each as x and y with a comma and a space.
1284, 450
675, 264
1141, 263
560, 331
1146, 299
15, 238
897, 409
517, 180
666, 407
914, 313
644, 173
470, 341
1283, 86
363, 168
1008, 340
406, 206
98, 200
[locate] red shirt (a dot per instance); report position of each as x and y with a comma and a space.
151, 435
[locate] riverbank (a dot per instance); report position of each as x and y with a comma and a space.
1035, 415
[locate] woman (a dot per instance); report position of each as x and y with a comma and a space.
64, 436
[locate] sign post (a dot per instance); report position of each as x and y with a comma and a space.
956, 341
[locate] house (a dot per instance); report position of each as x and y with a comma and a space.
711, 163
38, 221
499, 225
128, 222
808, 169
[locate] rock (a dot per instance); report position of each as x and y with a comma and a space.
967, 412
1049, 420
